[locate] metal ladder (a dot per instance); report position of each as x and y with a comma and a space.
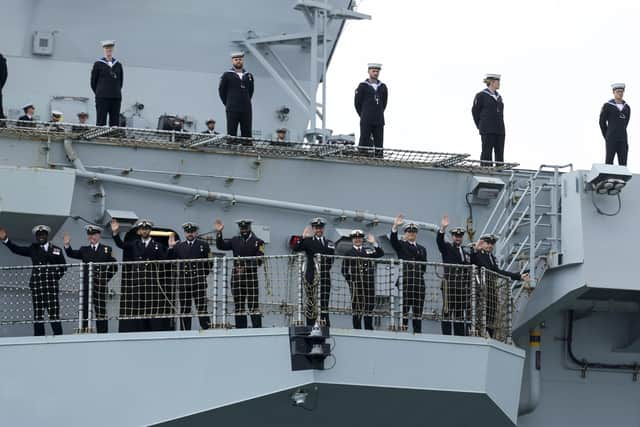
526, 218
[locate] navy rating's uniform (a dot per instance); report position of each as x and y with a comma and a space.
44, 282
192, 280
107, 78
146, 302
488, 116
360, 276
4, 74
244, 276
312, 246
236, 90
614, 119
102, 274
413, 287
370, 102
456, 288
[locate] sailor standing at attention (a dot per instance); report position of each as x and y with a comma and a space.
614, 119
370, 102
236, 91
487, 111
107, 77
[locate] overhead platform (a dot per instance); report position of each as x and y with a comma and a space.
240, 377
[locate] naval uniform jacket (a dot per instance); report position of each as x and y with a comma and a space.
412, 273
236, 93
451, 254
485, 259
613, 122
106, 81
361, 271
47, 269
102, 273
488, 113
312, 246
371, 103
195, 270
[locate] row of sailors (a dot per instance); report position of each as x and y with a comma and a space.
145, 300
57, 118
236, 89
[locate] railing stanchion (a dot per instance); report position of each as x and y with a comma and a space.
224, 291
214, 279
90, 298
81, 299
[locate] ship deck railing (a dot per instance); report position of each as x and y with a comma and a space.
338, 150
453, 298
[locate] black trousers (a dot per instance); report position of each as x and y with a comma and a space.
108, 107
619, 147
44, 296
492, 143
362, 302
413, 294
372, 135
456, 297
325, 292
99, 300
242, 118
190, 291
244, 288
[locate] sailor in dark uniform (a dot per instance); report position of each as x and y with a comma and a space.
370, 102
456, 285
314, 242
359, 273
26, 120
211, 127
107, 77
413, 287
488, 115
482, 256
48, 268
236, 91
94, 252
143, 292
244, 277
4, 74
192, 274
614, 119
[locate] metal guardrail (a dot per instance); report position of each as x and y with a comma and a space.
222, 291
251, 146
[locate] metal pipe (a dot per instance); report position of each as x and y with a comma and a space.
313, 72
178, 173
233, 198
534, 359
532, 232
77, 163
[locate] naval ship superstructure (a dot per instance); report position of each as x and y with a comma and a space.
567, 351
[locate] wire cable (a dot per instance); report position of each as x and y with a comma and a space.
600, 211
